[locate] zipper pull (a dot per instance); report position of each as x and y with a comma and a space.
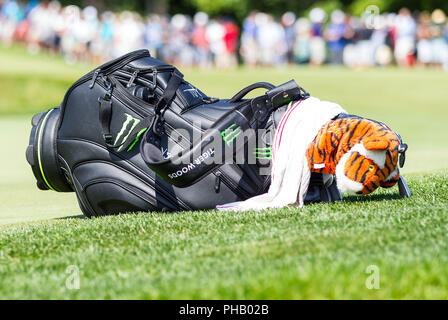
109, 87
95, 75
217, 181
154, 80
132, 79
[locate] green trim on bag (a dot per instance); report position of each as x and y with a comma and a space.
136, 138
39, 138
227, 136
263, 153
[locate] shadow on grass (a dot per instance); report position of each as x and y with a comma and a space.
373, 197
79, 216
346, 198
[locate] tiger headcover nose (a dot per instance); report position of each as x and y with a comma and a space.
362, 153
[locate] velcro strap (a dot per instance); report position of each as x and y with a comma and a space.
105, 115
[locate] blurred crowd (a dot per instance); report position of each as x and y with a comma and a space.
374, 39
370, 40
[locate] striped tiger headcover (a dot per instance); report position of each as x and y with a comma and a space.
362, 153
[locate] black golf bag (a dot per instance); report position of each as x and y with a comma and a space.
133, 135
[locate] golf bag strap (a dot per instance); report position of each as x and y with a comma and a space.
157, 123
105, 115
170, 91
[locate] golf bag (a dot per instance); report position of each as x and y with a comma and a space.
133, 135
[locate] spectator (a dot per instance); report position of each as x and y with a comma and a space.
249, 44
287, 20
334, 34
405, 38
199, 39
317, 43
231, 33
302, 47
438, 42
271, 40
215, 36
424, 50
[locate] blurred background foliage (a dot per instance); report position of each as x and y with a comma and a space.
240, 8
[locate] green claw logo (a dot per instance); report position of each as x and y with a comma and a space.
128, 125
263, 153
230, 134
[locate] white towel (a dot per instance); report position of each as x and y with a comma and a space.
290, 175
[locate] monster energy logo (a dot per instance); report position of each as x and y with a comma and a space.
230, 134
128, 125
263, 153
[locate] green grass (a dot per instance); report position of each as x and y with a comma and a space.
321, 251
32, 83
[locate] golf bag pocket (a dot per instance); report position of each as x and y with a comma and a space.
217, 145
106, 189
109, 196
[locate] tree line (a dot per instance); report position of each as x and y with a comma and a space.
239, 9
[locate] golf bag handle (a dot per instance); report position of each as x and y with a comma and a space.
240, 95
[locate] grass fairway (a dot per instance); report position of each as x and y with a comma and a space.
321, 251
